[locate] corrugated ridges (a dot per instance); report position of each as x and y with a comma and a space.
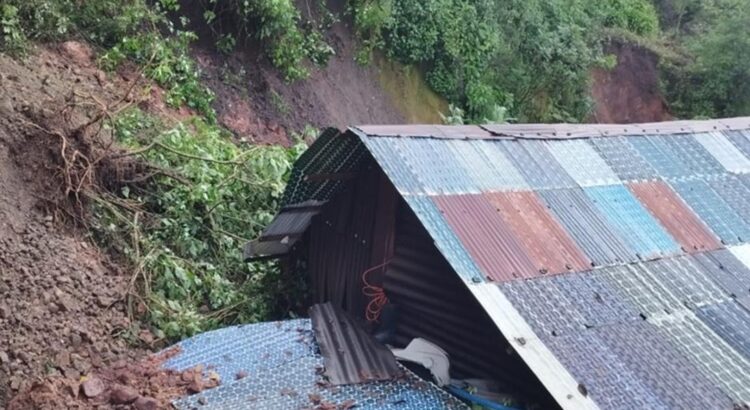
549, 246
717, 214
587, 226
580, 160
729, 155
624, 159
351, 355
487, 237
675, 216
639, 229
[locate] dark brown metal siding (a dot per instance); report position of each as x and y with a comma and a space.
433, 303
675, 216
547, 243
353, 233
487, 237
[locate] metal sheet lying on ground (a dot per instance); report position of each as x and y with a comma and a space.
675, 216
276, 366
487, 237
351, 355
546, 242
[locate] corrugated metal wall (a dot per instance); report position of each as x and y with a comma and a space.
434, 303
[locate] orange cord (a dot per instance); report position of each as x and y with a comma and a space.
376, 293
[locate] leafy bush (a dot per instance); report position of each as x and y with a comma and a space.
184, 229
277, 23
714, 81
531, 56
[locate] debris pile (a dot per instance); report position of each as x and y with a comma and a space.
141, 385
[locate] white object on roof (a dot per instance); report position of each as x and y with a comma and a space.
429, 355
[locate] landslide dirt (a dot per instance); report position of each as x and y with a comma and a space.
63, 315
630, 92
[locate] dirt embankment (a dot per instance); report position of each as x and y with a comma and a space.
630, 92
68, 336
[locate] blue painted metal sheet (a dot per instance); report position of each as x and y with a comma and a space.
710, 354
250, 349
666, 164
692, 154
487, 165
719, 216
729, 155
623, 158
588, 227
654, 359
582, 162
283, 369
735, 194
731, 322
402, 175
603, 373
546, 163
639, 228
445, 239
596, 300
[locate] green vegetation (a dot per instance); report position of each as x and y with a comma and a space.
532, 57
183, 230
712, 79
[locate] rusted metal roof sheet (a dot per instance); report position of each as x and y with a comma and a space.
487, 237
351, 355
533, 207
588, 227
546, 242
675, 216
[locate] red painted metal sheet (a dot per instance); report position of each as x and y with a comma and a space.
487, 237
682, 223
546, 242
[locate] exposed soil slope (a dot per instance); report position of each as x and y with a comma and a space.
630, 93
61, 310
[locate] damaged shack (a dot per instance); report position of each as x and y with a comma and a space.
579, 266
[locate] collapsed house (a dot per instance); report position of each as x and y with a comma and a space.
591, 266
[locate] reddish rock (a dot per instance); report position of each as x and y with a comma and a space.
146, 403
120, 394
92, 387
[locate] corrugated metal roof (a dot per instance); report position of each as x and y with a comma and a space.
588, 226
714, 211
675, 216
487, 237
582, 162
661, 321
722, 149
641, 231
350, 354
547, 243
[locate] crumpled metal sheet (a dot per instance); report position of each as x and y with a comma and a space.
351, 355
